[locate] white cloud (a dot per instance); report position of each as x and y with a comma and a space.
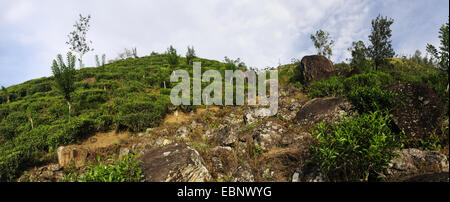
261, 32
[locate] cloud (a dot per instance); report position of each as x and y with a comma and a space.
260, 32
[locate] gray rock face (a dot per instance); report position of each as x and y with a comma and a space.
268, 135
227, 135
252, 115
176, 162
243, 173
224, 160
329, 109
182, 132
314, 68
413, 162
310, 174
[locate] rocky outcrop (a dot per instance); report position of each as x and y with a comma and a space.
323, 109
413, 163
243, 173
268, 135
421, 111
176, 162
254, 114
314, 68
224, 161
227, 135
72, 155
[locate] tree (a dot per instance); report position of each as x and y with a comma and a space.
77, 38
359, 54
190, 55
65, 76
97, 60
231, 64
5, 92
442, 56
323, 43
380, 38
172, 56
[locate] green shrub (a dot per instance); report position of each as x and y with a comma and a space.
355, 149
122, 170
371, 79
330, 87
370, 99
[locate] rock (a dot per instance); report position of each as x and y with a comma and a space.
72, 155
243, 173
176, 162
314, 68
268, 135
182, 132
413, 162
308, 174
252, 115
162, 142
422, 110
123, 152
329, 109
347, 73
54, 167
224, 160
227, 135
435, 177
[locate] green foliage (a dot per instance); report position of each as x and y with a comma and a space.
172, 56
443, 54
190, 55
370, 99
323, 43
64, 74
124, 169
359, 55
381, 44
355, 149
331, 87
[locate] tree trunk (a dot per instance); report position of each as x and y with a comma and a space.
81, 61
31, 121
70, 107
7, 97
164, 84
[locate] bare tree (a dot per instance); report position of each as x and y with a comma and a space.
77, 38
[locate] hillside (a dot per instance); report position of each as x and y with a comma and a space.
234, 143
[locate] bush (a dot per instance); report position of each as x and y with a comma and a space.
330, 87
123, 170
370, 99
372, 79
355, 149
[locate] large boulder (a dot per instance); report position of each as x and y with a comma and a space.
329, 109
176, 162
416, 164
421, 112
314, 68
72, 155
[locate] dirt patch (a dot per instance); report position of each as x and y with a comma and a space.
181, 117
90, 80
103, 140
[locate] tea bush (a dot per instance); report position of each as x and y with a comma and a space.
355, 149
370, 99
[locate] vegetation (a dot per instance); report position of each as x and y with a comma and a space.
124, 169
65, 76
125, 95
442, 56
381, 45
323, 43
355, 149
77, 38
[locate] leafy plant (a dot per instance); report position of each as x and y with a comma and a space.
355, 149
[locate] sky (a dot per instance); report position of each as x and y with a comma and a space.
262, 33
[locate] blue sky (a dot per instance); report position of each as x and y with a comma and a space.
260, 32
